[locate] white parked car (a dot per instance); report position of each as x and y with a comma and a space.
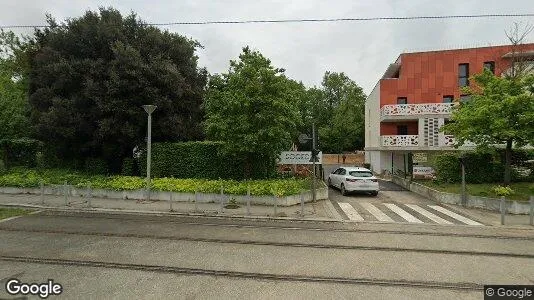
354, 179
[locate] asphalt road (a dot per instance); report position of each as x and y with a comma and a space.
104, 256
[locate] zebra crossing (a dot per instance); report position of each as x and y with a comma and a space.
410, 213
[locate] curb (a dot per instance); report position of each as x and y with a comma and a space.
164, 213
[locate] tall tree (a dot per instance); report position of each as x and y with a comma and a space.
342, 110
500, 111
13, 87
253, 108
91, 75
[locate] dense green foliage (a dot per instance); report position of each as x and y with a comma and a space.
253, 109
32, 178
337, 108
479, 168
14, 106
90, 76
20, 152
205, 160
501, 111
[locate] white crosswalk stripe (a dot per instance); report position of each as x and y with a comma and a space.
350, 211
428, 214
402, 213
377, 213
455, 215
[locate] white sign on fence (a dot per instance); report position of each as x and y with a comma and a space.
425, 172
298, 158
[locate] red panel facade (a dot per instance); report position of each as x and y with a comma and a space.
425, 77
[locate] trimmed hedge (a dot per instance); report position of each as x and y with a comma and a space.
32, 178
481, 167
201, 160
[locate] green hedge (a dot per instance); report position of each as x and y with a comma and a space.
20, 152
201, 160
481, 167
20, 177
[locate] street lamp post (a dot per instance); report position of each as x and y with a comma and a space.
149, 109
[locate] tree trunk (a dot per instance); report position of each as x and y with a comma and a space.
508, 163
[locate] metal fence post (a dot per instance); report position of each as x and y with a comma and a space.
196, 200
222, 199
89, 195
248, 201
41, 185
170, 201
532, 210
65, 191
503, 209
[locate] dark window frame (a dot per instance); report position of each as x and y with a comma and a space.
402, 99
463, 77
451, 97
490, 65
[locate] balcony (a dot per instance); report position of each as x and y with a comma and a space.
400, 140
407, 141
395, 112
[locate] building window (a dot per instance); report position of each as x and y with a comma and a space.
465, 98
448, 99
402, 100
402, 130
463, 74
490, 65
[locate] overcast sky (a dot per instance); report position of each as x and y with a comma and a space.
362, 50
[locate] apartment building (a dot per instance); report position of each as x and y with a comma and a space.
414, 98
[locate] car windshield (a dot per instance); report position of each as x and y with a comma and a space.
361, 173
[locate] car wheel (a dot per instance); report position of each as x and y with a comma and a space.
375, 193
329, 182
343, 191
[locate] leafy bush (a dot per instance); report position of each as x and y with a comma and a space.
128, 167
503, 190
20, 152
94, 165
201, 160
479, 168
19, 177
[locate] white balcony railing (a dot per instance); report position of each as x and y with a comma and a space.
416, 109
400, 140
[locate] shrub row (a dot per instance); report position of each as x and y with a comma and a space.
480, 167
32, 178
201, 160
20, 152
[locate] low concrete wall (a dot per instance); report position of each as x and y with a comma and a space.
58, 190
512, 206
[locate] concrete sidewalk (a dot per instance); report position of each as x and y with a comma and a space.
321, 210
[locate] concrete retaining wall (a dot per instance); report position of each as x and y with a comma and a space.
58, 190
512, 206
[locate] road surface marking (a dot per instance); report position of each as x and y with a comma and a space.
350, 211
401, 212
428, 214
10, 219
455, 215
379, 215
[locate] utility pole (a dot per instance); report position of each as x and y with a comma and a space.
149, 109
314, 158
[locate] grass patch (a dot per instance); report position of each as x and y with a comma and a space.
522, 190
12, 212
